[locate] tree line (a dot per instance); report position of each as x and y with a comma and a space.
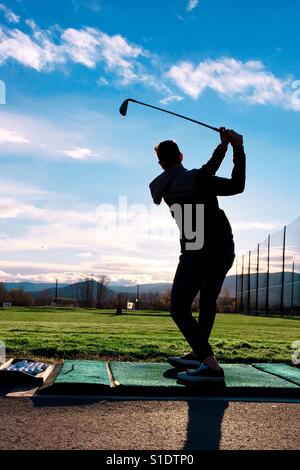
97, 294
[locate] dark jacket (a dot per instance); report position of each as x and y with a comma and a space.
178, 185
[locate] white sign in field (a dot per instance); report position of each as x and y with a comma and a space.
7, 305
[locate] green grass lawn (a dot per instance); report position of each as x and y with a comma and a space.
146, 335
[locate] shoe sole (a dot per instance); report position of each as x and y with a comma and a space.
201, 380
184, 366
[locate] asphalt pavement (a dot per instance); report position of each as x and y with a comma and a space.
97, 423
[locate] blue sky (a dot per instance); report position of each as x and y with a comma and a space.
66, 151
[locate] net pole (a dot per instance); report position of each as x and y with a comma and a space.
249, 284
268, 277
282, 274
292, 293
257, 276
242, 286
236, 286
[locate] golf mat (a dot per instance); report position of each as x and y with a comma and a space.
135, 377
292, 374
141, 374
160, 379
79, 377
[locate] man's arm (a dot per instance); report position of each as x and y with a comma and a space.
214, 163
227, 186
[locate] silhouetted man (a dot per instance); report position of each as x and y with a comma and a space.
204, 262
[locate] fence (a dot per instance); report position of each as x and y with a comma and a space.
268, 276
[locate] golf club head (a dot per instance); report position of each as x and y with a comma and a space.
123, 107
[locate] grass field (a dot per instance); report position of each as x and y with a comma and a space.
152, 336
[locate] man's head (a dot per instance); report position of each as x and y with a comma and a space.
168, 153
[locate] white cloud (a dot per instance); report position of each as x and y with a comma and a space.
7, 135
78, 153
67, 233
31, 23
87, 46
93, 5
157, 84
82, 46
249, 81
102, 81
14, 207
3, 276
192, 4
46, 50
37, 52
19, 189
255, 225
9, 15
90, 46
42, 138
170, 98
86, 254
53, 237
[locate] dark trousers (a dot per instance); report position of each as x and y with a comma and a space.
204, 273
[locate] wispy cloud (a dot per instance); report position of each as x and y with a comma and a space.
87, 46
7, 135
9, 15
31, 23
69, 243
250, 81
255, 225
170, 99
4, 276
47, 50
37, 52
102, 81
86, 254
128, 63
72, 243
93, 5
22, 134
78, 153
191, 5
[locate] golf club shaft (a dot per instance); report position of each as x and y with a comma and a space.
178, 115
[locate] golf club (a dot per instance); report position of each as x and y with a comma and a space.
124, 107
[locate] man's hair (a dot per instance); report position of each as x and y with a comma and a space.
168, 151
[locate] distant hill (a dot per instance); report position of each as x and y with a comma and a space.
156, 287
70, 291
30, 286
73, 291
229, 285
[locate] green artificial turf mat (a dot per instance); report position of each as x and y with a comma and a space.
83, 372
281, 370
244, 375
135, 374
139, 374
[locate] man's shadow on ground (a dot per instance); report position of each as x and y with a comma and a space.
205, 424
205, 416
205, 410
